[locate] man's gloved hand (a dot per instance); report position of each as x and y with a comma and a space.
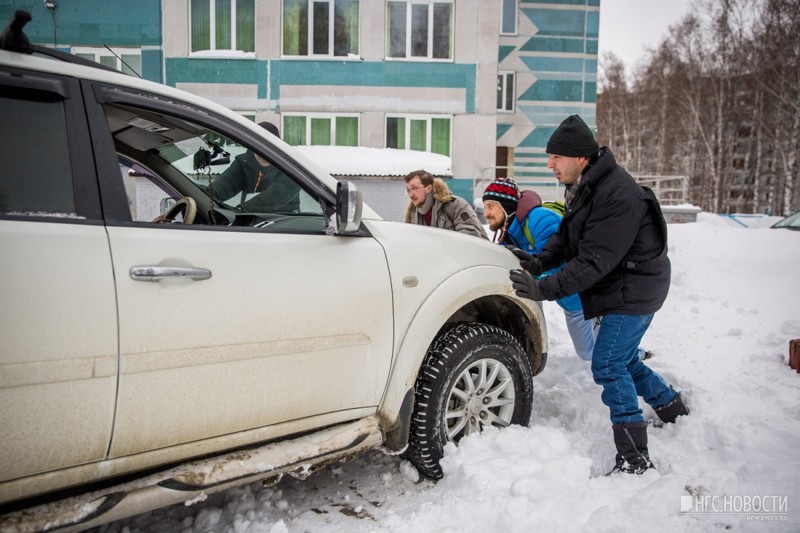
529, 262
524, 285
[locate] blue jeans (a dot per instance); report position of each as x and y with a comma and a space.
582, 332
617, 367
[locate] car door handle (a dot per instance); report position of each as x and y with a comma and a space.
157, 273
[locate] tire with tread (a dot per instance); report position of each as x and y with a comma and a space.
450, 398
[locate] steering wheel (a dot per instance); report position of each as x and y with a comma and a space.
185, 205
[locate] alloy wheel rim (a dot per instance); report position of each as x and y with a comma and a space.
482, 395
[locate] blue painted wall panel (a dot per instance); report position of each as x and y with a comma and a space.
538, 114
502, 129
151, 65
590, 90
553, 44
375, 74
503, 53
347, 74
240, 71
558, 22
554, 90
461, 187
90, 22
565, 2
593, 24
553, 64
538, 137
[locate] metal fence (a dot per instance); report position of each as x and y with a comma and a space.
670, 190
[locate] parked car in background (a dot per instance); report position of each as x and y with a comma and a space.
146, 363
790, 222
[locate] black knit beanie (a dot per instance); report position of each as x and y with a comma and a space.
572, 138
270, 127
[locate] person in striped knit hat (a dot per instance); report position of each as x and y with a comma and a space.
505, 194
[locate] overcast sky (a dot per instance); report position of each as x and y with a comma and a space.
628, 26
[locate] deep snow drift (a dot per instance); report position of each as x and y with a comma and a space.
722, 338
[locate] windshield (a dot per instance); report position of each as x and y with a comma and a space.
234, 175
790, 222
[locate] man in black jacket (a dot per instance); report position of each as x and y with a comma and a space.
613, 241
260, 186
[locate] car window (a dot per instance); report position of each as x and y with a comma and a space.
37, 172
164, 158
148, 195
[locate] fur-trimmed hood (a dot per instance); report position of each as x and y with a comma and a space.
441, 193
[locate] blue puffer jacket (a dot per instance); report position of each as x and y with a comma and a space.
542, 223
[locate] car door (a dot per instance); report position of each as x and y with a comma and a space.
269, 326
58, 320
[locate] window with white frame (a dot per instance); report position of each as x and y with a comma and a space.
127, 60
320, 27
508, 17
425, 133
505, 91
223, 25
419, 29
320, 129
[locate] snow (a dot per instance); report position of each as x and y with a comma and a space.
365, 161
722, 338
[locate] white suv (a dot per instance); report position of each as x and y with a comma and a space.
145, 363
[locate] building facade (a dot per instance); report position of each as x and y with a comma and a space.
483, 82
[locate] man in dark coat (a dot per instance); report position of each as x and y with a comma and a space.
613, 241
261, 186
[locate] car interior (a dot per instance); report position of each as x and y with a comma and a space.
171, 168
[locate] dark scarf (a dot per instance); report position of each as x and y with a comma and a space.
426, 210
571, 190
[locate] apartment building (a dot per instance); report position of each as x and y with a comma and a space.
482, 82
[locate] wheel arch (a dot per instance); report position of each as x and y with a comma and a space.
480, 294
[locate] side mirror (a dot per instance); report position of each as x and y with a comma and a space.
348, 207
166, 204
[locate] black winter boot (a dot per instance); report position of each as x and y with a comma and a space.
668, 413
631, 442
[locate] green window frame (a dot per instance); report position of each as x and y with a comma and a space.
222, 25
420, 29
419, 132
320, 129
327, 28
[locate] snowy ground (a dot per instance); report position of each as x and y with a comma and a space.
722, 338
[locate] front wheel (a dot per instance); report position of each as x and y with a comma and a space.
475, 375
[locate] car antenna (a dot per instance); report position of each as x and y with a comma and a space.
123, 61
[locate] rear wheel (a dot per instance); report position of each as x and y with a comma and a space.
474, 376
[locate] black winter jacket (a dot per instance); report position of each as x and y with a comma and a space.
614, 244
274, 191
